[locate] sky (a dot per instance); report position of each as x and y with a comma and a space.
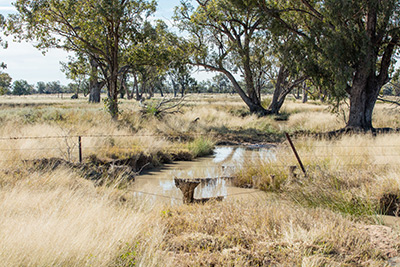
28, 63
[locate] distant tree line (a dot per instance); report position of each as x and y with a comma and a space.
176, 85
337, 51
22, 87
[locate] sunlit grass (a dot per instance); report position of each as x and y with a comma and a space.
349, 175
59, 218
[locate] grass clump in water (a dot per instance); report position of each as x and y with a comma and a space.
201, 147
260, 174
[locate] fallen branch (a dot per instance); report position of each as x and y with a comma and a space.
165, 106
388, 101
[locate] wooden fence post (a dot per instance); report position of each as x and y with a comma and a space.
80, 148
295, 153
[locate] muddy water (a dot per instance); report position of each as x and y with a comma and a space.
391, 221
158, 185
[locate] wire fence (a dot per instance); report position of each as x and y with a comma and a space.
77, 147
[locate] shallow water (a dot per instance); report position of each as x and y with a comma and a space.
159, 185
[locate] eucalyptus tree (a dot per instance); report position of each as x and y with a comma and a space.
151, 58
275, 66
77, 69
181, 79
221, 37
222, 84
21, 87
5, 83
234, 40
103, 30
348, 47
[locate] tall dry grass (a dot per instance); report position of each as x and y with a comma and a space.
56, 217
60, 219
350, 175
268, 234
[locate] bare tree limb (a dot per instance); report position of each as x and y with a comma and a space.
388, 101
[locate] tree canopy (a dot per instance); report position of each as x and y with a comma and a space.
236, 40
348, 47
5, 83
103, 30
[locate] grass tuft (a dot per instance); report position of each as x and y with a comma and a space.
201, 147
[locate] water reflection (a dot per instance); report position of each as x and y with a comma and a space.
159, 185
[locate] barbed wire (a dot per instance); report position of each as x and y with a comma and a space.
72, 148
156, 195
97, 136
221, 165
183, 135
180, 148
181, 199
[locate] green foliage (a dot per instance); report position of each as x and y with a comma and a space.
346, 47
53, 87
228, 40
5, 82
77, 69
3, 43
111, 106
201, 147
21, 87
41, 87
151, 109
102, 30
129, 255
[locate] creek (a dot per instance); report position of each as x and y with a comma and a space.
158, 185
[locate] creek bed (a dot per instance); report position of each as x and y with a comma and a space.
158, 185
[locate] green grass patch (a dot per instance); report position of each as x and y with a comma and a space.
201, 147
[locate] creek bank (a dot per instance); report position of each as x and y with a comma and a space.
124, 167
332, 135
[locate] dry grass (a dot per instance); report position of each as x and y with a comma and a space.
57, 218
262, 234
349, 175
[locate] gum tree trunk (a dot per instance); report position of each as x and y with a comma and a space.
367, 82
113, 93
252, 100
283, 87
363, 96
94, 85
95, 89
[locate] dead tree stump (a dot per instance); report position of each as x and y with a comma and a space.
187, 187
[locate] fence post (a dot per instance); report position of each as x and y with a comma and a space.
295, 153
80, 148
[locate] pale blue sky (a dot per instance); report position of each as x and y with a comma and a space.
26, 62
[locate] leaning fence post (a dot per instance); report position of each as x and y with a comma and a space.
295, 153
80, 148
